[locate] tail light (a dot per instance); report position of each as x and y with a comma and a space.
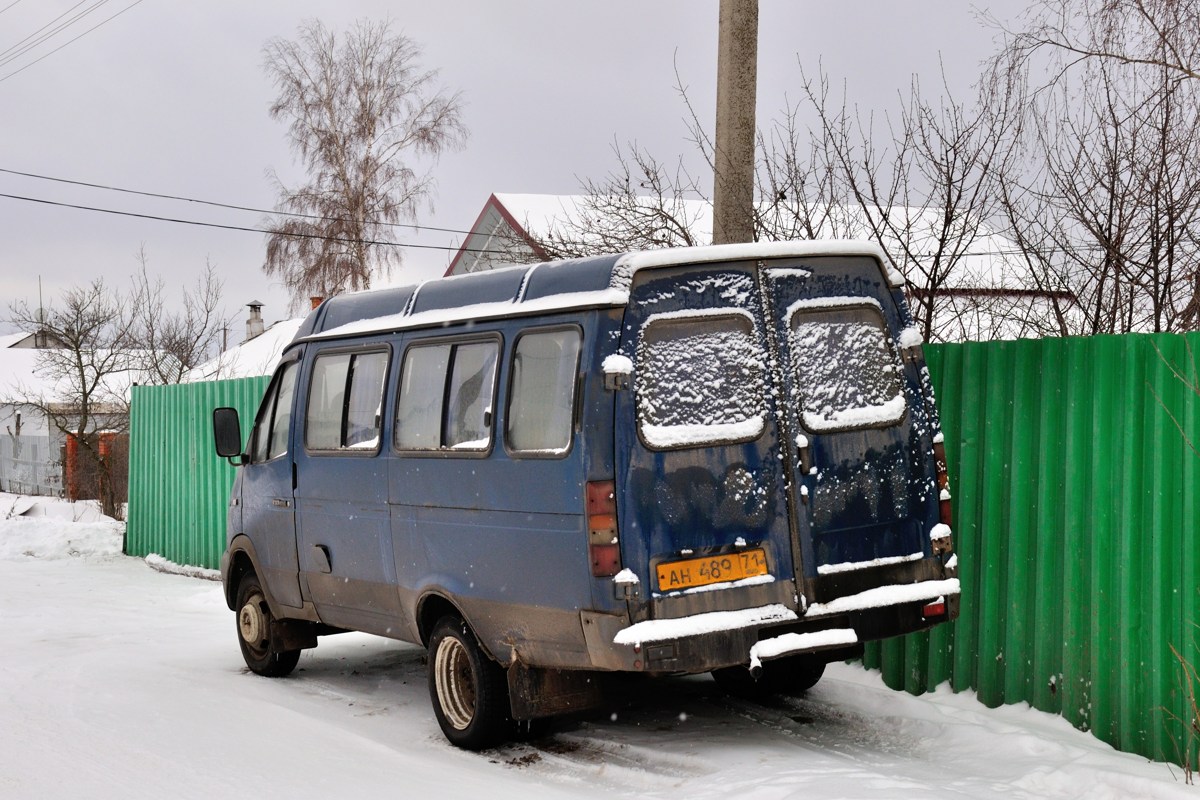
604, 549
934, 609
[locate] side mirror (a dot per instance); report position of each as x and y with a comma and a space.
227, 433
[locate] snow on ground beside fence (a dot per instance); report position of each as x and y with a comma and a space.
48, 528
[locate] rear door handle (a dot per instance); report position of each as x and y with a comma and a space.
280, 502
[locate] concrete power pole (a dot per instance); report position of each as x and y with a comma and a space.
737, 78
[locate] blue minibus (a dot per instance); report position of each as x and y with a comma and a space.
722, 459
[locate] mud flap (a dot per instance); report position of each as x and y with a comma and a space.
290, 634
534, 692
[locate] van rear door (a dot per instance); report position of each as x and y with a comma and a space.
775, 439
701, 488
853, 411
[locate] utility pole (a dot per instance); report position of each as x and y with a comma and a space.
733, 161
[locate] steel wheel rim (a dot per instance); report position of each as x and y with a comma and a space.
253, 623
455, 683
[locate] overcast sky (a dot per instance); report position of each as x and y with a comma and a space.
171, 98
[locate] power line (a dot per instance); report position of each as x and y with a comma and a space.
77, 38
7, 54
448, 248
1018, 252
10, 5
220, 205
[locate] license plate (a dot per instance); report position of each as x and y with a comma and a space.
693, 572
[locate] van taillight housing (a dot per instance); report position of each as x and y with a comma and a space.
604, 549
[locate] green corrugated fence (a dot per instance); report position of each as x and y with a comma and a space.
1076, 507
178, 487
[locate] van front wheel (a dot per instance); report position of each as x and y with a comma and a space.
259, 648
469, 690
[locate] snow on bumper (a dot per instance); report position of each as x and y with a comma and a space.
779, 646
658, 630
886, 596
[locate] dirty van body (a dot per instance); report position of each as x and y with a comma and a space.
719, 459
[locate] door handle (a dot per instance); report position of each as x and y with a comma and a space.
281, 502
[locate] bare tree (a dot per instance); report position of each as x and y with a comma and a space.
85, 373
361, 113
1107, 197
639, 206
922, 195
918, 185
1155, 33
172, 340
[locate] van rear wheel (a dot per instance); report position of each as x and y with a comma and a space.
469, 691
259, 648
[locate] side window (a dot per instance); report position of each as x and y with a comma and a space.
844, 369
469, 399
345, 401
274, 417
542, 397
446, 396
419, 409
700, 380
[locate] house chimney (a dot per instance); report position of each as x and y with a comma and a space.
254, 322
316, 301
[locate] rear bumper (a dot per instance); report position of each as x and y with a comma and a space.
712, 640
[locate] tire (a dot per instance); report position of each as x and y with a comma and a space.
254, 619
794, 675
469, 691
791, 676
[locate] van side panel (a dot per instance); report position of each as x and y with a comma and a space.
343, 526
500, 535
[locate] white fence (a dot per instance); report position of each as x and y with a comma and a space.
30, 465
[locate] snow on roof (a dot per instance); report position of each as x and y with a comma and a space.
24, 377
555, 286
248, 359
992, 263
7, 340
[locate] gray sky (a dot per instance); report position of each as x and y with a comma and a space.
170, 97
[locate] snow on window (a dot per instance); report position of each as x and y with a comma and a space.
844, 370
701, 378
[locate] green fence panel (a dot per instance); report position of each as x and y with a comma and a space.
1075, 483
178, 487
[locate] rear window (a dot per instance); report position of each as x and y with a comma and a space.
844, 369
700, 379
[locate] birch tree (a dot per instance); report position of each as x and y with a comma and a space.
365, 120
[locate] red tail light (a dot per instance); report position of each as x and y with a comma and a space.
604, 549
931, 610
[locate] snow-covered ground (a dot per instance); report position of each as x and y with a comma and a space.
118, 680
